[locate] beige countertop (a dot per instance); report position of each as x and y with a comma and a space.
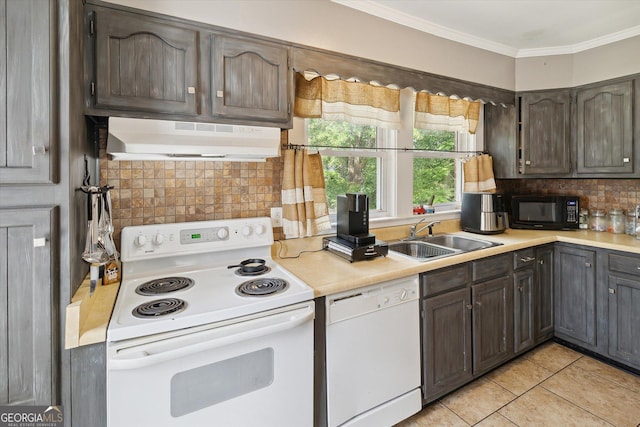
88, 315
327, 273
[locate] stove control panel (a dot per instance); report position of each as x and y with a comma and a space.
198, 235
161, 240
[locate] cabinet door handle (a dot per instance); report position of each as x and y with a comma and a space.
219, 94
191, 90
612, 291
39, 150
39, 242
469, 306
478, 303
526, 259
521, 288
626, 160
541, 261
587, 264
527, 162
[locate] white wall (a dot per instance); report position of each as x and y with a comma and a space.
327, 25
606, 62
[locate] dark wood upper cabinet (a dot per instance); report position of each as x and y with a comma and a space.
27, 69
251, 79
545, 138
143, 64
605, 129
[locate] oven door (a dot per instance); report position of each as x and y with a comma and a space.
253, 371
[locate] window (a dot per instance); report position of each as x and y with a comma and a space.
364, 159
351, 163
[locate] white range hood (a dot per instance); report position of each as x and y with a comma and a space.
147, 139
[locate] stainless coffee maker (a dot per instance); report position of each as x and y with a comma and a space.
483, 213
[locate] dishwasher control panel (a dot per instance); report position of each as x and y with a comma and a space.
357, 302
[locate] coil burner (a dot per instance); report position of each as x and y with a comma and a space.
158, 308
262, 287
164, 285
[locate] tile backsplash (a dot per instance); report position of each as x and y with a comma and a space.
594, 193
155, 192
152, 192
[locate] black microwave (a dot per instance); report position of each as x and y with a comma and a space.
545, 212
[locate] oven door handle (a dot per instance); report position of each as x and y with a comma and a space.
175, 348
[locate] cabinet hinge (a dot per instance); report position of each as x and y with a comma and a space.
93, 88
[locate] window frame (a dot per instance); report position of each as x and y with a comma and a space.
395, 166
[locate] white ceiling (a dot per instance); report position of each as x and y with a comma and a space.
517, 28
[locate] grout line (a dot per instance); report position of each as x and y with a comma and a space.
577, 406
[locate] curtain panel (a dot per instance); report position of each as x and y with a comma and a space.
354, 102
437, 112
305, 211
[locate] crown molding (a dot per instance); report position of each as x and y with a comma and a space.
393, 15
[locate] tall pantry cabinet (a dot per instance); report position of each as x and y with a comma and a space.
42, 143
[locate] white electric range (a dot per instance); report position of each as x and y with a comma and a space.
211, 325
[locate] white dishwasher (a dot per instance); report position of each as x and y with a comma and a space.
373, 354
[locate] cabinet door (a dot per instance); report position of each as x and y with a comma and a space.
624, 320
575, 296
27, 68
501, 139
250, 79
144, 64
543, 294
492, 323
545, 135
27, 317
605, 129
523, 310
446, 343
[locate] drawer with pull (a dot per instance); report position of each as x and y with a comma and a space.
444, 280
624, 264
524, 258
488, 268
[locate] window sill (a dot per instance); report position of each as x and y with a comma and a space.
393, 221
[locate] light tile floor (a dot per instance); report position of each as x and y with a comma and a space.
551, 385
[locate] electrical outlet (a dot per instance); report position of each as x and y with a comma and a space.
276, 217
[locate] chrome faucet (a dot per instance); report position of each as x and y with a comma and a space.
413, 232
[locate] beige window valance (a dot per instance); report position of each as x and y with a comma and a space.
437, 112
375, 105
352, 101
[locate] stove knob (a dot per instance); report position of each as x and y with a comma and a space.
222, 233
246, 231
260, 229
140, 241
158, 239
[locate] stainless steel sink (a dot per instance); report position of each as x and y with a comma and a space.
420, 250
464, 244
439, 246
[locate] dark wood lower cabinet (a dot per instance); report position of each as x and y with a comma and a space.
523, 310
479, 315
575, 296
28, 349
492, 323
624, 319
446, 345
543, 294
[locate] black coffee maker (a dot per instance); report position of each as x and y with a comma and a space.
353, 219
353, 241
